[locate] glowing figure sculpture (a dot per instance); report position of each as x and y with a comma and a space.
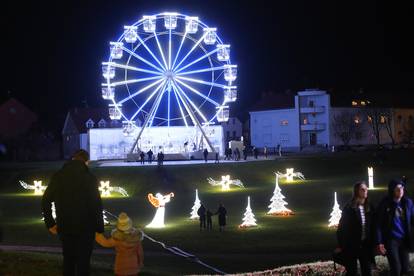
370, 178
159, 74
290, 174
335, 214
277, 206
37, 187
196, 206
53, 212
248, 219
159, 201
106, 189
225, 182
104, 217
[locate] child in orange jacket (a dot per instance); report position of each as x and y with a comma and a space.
126, 239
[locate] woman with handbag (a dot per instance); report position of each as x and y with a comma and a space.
355, 232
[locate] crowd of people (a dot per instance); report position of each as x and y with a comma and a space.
365, 231
205, 217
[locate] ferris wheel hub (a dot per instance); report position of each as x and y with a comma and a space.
169, 74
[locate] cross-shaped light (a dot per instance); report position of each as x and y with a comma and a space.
38, 187
225, 182
105, 188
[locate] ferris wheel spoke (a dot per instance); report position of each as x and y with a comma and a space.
160, 49
198, 93
187, 108
201, 81
113, 84
157, 105
197, 60
150, 52
192, 103
142, 59
147, 100
179, 49
201, 70
179, 106
189, 52
169, 49
140, 91
132, 68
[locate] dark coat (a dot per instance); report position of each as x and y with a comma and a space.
222, 212
77, 200
385, 216
201, 212
350, 228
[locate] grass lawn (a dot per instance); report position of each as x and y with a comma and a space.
276, 241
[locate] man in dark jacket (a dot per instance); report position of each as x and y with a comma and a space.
395, 218
78, 212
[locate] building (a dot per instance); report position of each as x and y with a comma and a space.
77, 123
15, 119
232, 129
308, 121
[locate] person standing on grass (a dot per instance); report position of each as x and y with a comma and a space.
201, 212
356, 231
74, 190
222, 214
142, 156
394, 228
205, 153
209, 214
126, 240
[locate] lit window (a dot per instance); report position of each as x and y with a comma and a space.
357, 120
382, 119
90, 123
284, 122
369, 119
354, 103
363, 103
305, 121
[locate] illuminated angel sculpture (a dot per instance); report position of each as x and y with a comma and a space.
225, 182
37, 187
289, 175
106, 189
159, 201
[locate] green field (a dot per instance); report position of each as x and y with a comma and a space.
276, 241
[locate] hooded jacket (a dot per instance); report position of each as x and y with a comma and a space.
77, 199
385, 215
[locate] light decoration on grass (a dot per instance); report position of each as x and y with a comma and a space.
335, 214
53, 212
106, 189
105, 218
248, 219
37, 187
290, 174
159, 201
277, 207
370, 178
196, 206
225, 182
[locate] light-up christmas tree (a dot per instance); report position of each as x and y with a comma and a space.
370, 178
277, 207
335, 214
196, 206
105, 218
248, 219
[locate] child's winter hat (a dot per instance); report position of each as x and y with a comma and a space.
124, 222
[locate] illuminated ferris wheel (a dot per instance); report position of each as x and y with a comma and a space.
169, 69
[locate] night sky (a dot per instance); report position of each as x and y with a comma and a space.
53, 51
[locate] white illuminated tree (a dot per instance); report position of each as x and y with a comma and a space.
335, 214
248, 219
105, 218
196, 206
370, 178
277, 206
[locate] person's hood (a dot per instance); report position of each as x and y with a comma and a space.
132, 236
391, 186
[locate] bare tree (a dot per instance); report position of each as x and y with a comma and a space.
387, 120
376, 118
344, 125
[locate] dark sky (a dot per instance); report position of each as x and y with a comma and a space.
54, 48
